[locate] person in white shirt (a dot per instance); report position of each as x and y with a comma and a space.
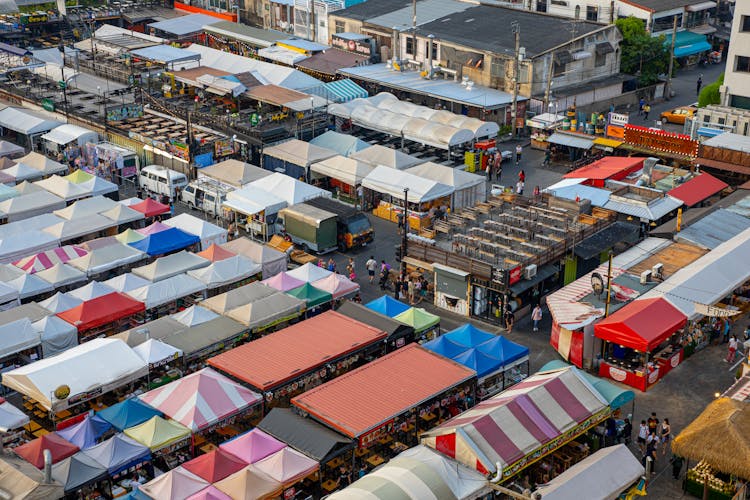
371, 265
732, 349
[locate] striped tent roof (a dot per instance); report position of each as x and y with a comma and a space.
45, 260
543, 411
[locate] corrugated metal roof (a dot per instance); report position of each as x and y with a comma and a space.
606, 167
363, 399
653, 211
698, 189
184, 25
598, 197
742, 207
727, 140
282, 356
714, 229
245, 33
427, 11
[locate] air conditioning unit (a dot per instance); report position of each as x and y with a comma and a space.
645, 277
529, 271
658, 270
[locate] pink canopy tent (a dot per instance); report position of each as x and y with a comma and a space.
210, 493
337, 285
283, 282
156, 227
176, 484
201, 399
45, 260
287, 466
252, 446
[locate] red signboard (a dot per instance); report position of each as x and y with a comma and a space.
367, 440
515, 275
661, 140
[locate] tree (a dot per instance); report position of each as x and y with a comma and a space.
641, 54
710, 94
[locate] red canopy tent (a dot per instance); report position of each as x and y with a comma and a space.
33, 451
215, 466
641, 325
102, 310
610, 167
150, 208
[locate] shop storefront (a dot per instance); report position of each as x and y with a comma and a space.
542, 127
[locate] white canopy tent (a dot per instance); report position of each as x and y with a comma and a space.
298, 152
233, 173
343, 169
166, 291
76, 228
26, 122
603, 475
469, 189
98, 364
171, 265
227, 271
194, 316
207, 232
105, 258
10, 150
87, 206
17, 336
154, 352
61, 275
69, 133
17, 246
29, 205
60, 302
391, 182
250, 201
43, 164
11, 418
121, 214
272, 261
20, 172
96, 186
8, 297
57, 335
381, 155
309, 273
29, 285
38, 222
126, 282
89, 291
291, 190
62, 187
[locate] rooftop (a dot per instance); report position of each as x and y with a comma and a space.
245, 33
427, 12
366, 10
479, 28
662, 5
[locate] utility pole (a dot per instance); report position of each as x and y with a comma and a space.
189, 125
609, 286
405, 241
668, 86
548, 86
516, 28
414, 28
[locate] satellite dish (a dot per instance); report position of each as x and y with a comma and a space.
62, 392
597, 283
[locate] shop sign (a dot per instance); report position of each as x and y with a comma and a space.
660, 140
619, 119
173, 447
617, 374
164, 361
177, 148
254, 119
714, 312
367, 440
615, 132
123, 112
48, 104
514, 276
34, 19
289, 494
224, 147
499, 276
357, 46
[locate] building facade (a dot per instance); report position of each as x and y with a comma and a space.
736, 89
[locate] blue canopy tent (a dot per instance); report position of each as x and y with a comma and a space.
164, 242
469, 335
85, 433
445, 347
479, 362
388, 306
119, 454
616, 396
506, 351
127, 414
688, 43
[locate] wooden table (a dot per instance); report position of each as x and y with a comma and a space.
427, 417
63, 415
39, 433
398, 447
336, 462
208, 448
375, 460
385, 440
360, 452
32, 426
329, 485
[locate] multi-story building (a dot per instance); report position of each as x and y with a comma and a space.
736, 89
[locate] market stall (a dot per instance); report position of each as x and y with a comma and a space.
426, 325
226, 274
176, 483
233, 173
125, 282
33, 451
254, 210
225, 302
62, 276
717, 444
289, 189
68, 136
288, 467
25, 125
22, 480
385, 190
542, 126
215, 253
150, 208
499, 363
90, 291
56, 334
286, 362
12, 423
10, 150
29, 204
387, 306
399, 334
268, 312
62, 188
315, 298
121, 455
85, 433
294, 157
44, 260
388, 402
157, 354
340, 174
104, 315
127, 413
79, 472
206, 339
208, 233
468, 189
283, 282
215, 465
250, 481
168, 296
272, 261
163, 438
643, 342
337, 285
164, 242
19, 343
504, 432
129, 236
309, 273
252, 446
115, 258
30, 287
378, 154
170, 265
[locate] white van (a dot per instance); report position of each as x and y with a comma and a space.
204, 195
160, 180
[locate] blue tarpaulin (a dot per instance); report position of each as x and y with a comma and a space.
387, 306
688, 43
119, 453
127, 414
166, 241
479, 362
85, 433
468, 335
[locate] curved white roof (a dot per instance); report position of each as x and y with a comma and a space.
341, 168
392, 182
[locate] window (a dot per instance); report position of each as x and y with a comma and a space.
592, 13
600, 60
410, 46
742, 64
738, 101
497, 68
340, 27
578, 12
745, 24
558, 69
541, 5
665, 23
427, 49
561, 3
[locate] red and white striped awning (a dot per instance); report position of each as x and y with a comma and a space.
45, 260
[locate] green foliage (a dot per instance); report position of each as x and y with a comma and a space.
642, 54
710, 93
505, 130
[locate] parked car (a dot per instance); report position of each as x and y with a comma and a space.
160, 180
678, 115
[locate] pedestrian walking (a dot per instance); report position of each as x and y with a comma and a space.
410, 290
646, 111
651, 453
331, 265
488, 171
519, 188
509, 320
732, 349
496, 162
666, 432
698, 85
536, 317
519, 150
641, 103
653, 423
522, 176
547, 157
642, 435
626, 435
371, 265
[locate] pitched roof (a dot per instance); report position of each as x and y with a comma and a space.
365, 398
698, 189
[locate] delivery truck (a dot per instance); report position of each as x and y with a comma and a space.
322, 225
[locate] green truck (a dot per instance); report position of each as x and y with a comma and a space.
322, 225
